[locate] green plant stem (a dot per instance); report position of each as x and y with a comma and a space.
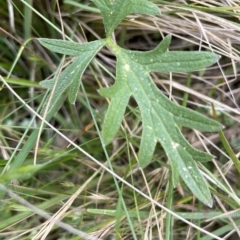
229, 150
169, 217
27, 20
185, 96
226, 145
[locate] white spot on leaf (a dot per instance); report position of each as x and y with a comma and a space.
174, 145
126, 67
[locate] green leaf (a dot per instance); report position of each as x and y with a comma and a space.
71, 76
175, 61
114, 11
159, 60
120, 97
70, 48
115, 114
160, 116
192, 177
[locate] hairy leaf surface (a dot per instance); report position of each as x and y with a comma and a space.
71, 76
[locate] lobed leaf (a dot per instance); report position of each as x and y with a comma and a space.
114, 12
71, 76
160, 116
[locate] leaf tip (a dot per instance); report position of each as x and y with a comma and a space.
105, 139
210, 204
169, 37
141, 166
